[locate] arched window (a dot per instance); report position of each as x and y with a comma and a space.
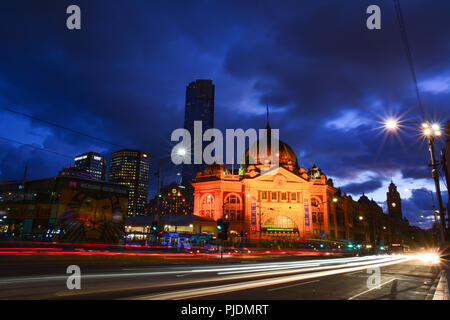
317, 211
233, 207
280, 223
208, 206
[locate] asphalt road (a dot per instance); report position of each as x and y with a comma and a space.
400, 277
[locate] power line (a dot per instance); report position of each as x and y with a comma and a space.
401, 23
62, 127
36, 147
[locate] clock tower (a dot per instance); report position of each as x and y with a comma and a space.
394, 202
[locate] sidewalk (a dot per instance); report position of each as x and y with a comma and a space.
442, 292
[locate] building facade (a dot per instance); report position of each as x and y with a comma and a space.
63, 208
173, 201
199, 107
273, 201
93, 163
131, 168
291, 203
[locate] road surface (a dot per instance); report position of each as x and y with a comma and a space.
401, 277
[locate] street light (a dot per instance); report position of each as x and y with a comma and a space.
391, 124
430, 132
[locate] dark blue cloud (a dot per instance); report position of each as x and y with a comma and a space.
122, 78
362, 187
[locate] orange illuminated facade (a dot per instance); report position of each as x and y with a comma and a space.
290, 202
283, 201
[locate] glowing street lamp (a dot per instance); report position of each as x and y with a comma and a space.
391, 124
430, 132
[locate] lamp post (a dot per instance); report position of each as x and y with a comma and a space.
224, 218
430, 132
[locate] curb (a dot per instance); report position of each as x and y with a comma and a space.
442, 292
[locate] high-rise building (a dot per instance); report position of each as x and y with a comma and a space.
93, 163
131, 168
199, 107
171, 201
394, 202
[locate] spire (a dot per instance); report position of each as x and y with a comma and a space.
268, 125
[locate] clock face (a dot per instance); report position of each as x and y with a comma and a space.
393, 204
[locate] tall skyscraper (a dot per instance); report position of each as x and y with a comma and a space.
93, 163
131, 168
394, 202
199, 107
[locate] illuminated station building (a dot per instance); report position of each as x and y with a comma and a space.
291, 201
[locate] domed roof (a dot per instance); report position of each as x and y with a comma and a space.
286, 156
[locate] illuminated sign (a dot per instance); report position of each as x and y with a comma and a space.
279, 229
307, 228
396, 245
253, 214
97, 158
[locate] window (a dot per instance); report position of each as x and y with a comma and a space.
208, 205
293, 196
263, 195
274, 196
232, 207
283, 196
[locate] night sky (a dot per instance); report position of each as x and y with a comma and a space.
327, 79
